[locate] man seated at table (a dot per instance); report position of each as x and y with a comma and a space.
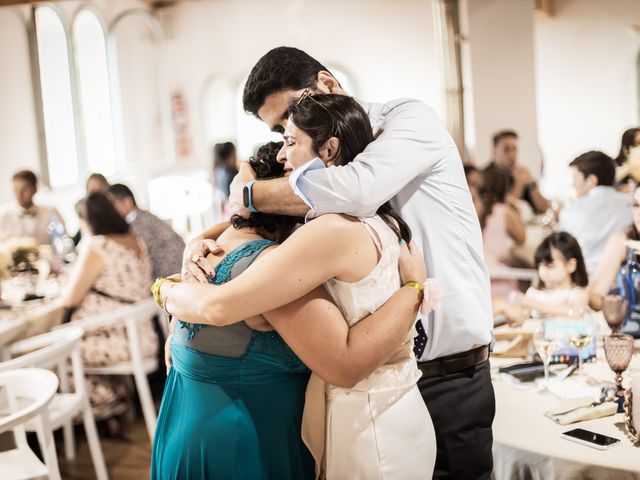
525, 188
599, 210
23, 218
165, 246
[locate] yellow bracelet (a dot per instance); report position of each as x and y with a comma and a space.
416, 285
155, 289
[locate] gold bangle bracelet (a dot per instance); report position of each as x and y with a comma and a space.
155, 289
416, 285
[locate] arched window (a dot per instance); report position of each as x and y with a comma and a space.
250, 131
57, 99
144, 133
94, 96
218, 103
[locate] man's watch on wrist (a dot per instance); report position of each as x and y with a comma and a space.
247, 196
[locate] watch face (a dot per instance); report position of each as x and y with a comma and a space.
245, 196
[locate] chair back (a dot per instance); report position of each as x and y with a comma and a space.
36, 385
43, 351
129, 315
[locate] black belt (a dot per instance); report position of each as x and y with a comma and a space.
443, 366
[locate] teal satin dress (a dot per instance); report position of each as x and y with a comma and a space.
233, 400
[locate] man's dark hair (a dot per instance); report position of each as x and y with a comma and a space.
27, 176
283, 68
103, 218
596, 163
267, 225
120, 191
503, 134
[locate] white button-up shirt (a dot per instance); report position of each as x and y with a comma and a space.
34, 222
593, 218
415, 163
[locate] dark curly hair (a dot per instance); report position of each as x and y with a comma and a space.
324, 116
282, 68
273, 227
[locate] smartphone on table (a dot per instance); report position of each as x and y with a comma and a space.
590, 439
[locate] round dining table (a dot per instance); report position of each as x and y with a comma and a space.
527, 444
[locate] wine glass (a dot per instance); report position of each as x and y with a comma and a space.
580, 336
614, 309
545, 344
618, 349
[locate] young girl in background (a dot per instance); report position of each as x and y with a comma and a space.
562, 278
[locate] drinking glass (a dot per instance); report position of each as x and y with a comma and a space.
580, 335
614, 309
545, 343
618, 349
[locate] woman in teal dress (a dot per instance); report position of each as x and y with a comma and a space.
233, 400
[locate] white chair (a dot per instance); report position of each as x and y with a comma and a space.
37, 387
53, 350
511, 273
139, 367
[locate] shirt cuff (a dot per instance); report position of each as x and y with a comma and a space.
301, 186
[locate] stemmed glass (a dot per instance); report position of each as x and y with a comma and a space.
580, 335
614, 309
618, 349
545, 344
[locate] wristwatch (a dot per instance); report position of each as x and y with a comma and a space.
247, 196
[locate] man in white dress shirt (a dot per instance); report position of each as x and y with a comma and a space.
415, 163
599, 209
24, 218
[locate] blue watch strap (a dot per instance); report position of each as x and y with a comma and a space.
249, 187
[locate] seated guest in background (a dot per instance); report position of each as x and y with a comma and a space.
24, 218
562, 277
472, 174
224, 166
630, 139
502, 227
599, 210
112, 271
164, 245
615, 252
505, 155
96, 182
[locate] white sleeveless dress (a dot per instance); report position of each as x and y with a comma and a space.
380, 428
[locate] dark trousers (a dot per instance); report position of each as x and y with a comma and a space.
462, 406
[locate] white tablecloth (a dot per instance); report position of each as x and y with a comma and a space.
527, 445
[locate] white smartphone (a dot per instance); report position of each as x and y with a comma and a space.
590, 439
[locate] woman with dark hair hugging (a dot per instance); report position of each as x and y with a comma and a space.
368, 420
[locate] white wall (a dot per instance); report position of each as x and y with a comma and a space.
387, 47
18, 133
586, 77
500, 38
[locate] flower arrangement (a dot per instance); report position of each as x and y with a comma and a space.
17, 253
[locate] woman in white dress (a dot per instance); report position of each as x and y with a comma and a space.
378, 428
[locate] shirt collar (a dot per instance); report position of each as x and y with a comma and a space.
131, 216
